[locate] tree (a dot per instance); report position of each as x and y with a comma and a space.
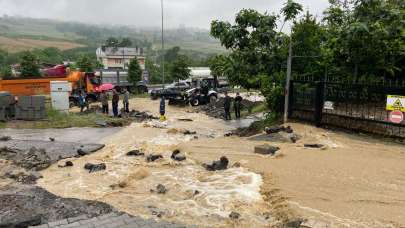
219, 66
5, 72
112, 42
179, 69
258, 51
155, 73
85, 63
290, 11
134, 71
29, 66
125, 42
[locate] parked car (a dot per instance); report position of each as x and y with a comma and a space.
170, 91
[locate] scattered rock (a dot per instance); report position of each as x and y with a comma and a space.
222, 164
196, 192
229, 134
5, 138
160, 189
67, 164
267, 215
81, 152
187, 132
95, 167
277, 129
152, 157
234, 215
52, 139
23, 177
177, 156
185, 120
36, 159
135, 153
237, 165
293, 223
266, 149
101, 123
314, 145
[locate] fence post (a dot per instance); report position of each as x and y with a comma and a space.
319, 99
291, 99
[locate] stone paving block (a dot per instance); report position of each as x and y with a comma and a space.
113, 214
40, 226
72, 225
116, 224
58, 223
78, 218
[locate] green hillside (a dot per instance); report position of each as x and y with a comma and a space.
195, 40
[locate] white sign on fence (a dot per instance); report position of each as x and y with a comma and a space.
329, 105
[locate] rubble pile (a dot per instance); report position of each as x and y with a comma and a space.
216, 109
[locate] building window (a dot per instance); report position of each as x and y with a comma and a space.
118, 61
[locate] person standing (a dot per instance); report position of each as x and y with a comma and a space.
162, 109
126, 101
104, 102
237, 105
115, 100
227, 106
82, 100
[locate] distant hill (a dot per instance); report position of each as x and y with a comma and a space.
17, 33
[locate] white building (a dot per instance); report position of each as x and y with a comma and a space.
120, 57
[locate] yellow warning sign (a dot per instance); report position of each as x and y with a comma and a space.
395, 102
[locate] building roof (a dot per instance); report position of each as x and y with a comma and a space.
120, 51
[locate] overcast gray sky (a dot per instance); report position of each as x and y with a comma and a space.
145, 13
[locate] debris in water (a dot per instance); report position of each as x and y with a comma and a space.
177, 156
186, 120
67, 164
135, 153
81, 152
277, 129
229, 134
266, 149
222, 164
160, 189
95, 167
52, 139
187, 132
314, 145
234, 215
237, 165
152, 157
5, 138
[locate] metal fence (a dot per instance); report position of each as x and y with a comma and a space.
358, 106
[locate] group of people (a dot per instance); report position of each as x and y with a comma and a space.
237, 105
104, 99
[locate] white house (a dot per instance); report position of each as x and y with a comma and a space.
119, 57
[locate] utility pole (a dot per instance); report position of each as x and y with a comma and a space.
288, 81
163, 45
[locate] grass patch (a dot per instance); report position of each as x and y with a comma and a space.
2, 125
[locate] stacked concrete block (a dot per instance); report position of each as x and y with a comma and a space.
30, 108
5, 105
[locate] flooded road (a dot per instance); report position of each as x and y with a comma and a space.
354, 182
79, 135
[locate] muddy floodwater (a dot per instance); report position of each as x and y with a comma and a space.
354, 181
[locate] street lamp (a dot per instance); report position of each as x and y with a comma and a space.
163, 45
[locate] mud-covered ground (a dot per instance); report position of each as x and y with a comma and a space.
353, 181
22, 203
